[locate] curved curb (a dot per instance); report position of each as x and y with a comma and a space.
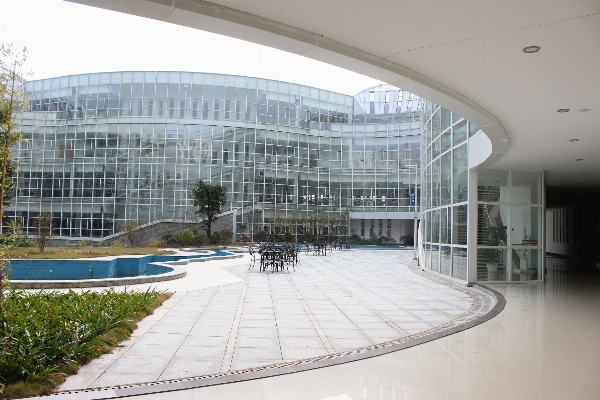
178, 271
487, 304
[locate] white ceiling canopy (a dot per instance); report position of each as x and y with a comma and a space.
466, 56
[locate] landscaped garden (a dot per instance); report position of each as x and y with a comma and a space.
45, 336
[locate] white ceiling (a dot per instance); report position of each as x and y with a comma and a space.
466, 55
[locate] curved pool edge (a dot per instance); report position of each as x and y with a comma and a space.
179, 271
487, 304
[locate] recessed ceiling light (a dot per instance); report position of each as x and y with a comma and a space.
531, 49
573, 140
581, 183
562, 110
579, 159
585, 109
586, 173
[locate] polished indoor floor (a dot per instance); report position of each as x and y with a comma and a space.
544, 345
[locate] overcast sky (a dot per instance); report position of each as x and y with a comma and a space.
65, 38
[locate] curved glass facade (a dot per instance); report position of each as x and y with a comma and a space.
102, 149
444, 200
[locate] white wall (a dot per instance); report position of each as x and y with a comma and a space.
400, 227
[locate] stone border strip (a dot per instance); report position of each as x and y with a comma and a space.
487, 304
178, 272
228, 358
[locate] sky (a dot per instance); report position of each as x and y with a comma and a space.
64, 38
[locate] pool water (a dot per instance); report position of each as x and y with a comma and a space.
91, 268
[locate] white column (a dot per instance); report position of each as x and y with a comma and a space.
472, 228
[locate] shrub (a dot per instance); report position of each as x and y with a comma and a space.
216, 238
202, 240
131, 230
116, 243
244, 238
154, 242
186, 237
170, 239
407, 240
226, 236
84, 243
260, 236
288, 237
102, 243
386, 240
36, 341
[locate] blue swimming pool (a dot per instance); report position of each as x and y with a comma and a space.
92, 268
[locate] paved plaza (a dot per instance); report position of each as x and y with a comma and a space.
225, 316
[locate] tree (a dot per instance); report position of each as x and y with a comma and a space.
210, 200
131, 230
43, 231
11, 102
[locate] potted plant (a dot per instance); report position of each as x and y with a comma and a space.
493, 236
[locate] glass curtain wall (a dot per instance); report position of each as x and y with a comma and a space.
102, 149
509, 225
444, 196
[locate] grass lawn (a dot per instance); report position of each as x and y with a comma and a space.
84, 252
45, 336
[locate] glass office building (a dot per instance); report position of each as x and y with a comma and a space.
101, 149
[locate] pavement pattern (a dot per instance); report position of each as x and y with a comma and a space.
239, 318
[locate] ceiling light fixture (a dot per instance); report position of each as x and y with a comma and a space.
579, 159
586, 173
573, 140
563, 110
585, 109
581, 183
531, 49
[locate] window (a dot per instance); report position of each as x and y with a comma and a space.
362, 227
389, 228
380, 228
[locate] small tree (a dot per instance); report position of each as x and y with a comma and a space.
131, 230
11, 102
210, 200
43, 231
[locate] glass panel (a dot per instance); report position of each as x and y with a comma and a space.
460, 132
435, 227
526, 264
435, 183
461, 170
459, 263
446, 260
526, 187
492, 224
435, 258
446, 184
459, 225
492, 185
491, 264
447, 140
446, 229
526, 225
446, 118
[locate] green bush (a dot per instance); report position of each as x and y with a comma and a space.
116, 243
186, 237
202, 240
84, 243
101, 243
154, 242
41, 331
216, 238
288, 237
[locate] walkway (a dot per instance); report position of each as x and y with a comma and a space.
542, 346
331, 304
